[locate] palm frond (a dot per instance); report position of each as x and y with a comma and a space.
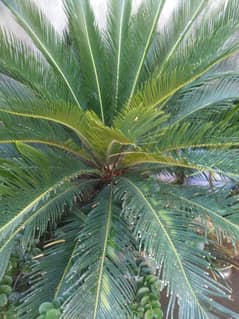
49, 43
70, 116
167, 40
86, 37
143, 28
118, 20
26, 200
210, 207
16, 57
197, 134
209, 43
222, 161
48, 270
203, 98
25, 130
182, 266
141, 125
101, 276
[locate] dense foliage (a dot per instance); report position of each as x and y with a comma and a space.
101, 130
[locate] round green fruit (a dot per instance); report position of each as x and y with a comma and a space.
147, 307
53, 314
41, 317
45, 306
140, 314
146, 271
153, 314
140, 281
142, 292
154, 297
57, 303
151, 279
7, 280
6, 289
3, 300
144, 300
155, 304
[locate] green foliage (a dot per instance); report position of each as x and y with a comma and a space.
105, 137
146, 303
47, 310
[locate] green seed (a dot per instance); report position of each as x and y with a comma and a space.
142, 292
7, 280
154, 296
140, 314
53, 314
140, 309
153, 314
144, 300
155, 304
146, 271
6, 289
140, 281
45, 306
147, 307
3, 300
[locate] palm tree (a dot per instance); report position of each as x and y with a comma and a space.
92, 122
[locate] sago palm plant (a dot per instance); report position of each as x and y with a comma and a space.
93, 122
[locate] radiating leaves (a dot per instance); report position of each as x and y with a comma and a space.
101, 275
182, 265
49, 43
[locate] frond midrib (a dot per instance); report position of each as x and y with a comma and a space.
210, 211
47, 118
200, 145
171, 244
41, 196
119, 54
44, 49
31, 217
193, 78
49, 143
181, 36
95, 70
142, 60
104, 255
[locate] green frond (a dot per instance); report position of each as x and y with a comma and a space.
101, 276
209, 43
16, 57
49, 43
88, 118
33, 194
203, 99
70, 116
25, 130
215, 133
182, 265
167, 40
138, 160
16, 101
48, 270
117, 33
141, 125
222, 161
215, 207
142, 28
86, 37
